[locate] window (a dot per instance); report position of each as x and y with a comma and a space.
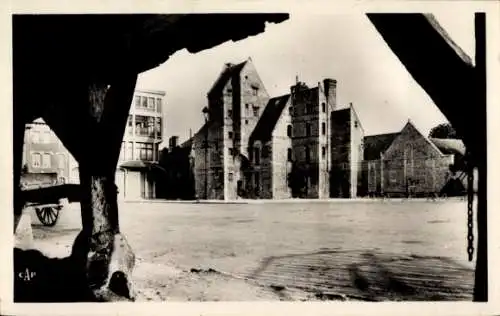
158, 127
151, 103
246, 122
60, 161
144, 102
255, 91
246, 106
392, 176
308, 154
323, 107
356, 124
230, 134
129, 152
255, 111
137, 101
36, 160
290, 110
230, 177
144, 151
144, 126
289, 154
158, 105
308, 129
257, 156
46, 161
246, 77
323, 128
289, 130
231, 151
250, 154
229, 90
323, 151
230, 113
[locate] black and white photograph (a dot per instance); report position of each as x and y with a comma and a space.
251, 156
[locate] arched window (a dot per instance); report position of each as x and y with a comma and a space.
289, 154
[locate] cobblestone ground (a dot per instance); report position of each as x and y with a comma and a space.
376, 250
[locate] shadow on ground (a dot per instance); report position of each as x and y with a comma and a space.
370, 276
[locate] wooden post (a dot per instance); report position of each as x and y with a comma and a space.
109, 255
481, 272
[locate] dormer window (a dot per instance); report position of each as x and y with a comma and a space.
255, 110
255, 90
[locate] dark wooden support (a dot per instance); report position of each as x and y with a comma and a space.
109, 106
481, 273
457, 87
18, 141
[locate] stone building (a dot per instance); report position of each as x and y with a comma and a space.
346, 153
220, 148
409, 163
44, 153
271, 152
310, 116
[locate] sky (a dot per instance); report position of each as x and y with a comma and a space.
313, 47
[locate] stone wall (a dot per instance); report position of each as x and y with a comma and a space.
413, 163
281, 144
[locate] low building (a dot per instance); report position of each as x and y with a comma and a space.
411, 164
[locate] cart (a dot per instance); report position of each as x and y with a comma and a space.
47, 200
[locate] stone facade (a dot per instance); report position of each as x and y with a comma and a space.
235, 104
414, 165
410, 164
310, 115
346, 153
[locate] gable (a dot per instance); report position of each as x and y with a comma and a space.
265, 126
411, 135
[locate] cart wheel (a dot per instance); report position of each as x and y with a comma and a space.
47, 215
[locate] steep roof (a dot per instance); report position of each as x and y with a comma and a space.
229, 72
374, 145
267, 122
449, 146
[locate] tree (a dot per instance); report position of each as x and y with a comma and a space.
444, 130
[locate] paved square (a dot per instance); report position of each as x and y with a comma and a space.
373, 250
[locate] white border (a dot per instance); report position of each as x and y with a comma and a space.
253, 308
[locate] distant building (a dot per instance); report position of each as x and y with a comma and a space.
220, 148
44, 153
139, 153
409, 163
254, 146
135, 176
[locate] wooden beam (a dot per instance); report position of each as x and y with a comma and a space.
435, 66
481, 272
457, 88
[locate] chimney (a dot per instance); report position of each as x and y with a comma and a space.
172, 142
330, 86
